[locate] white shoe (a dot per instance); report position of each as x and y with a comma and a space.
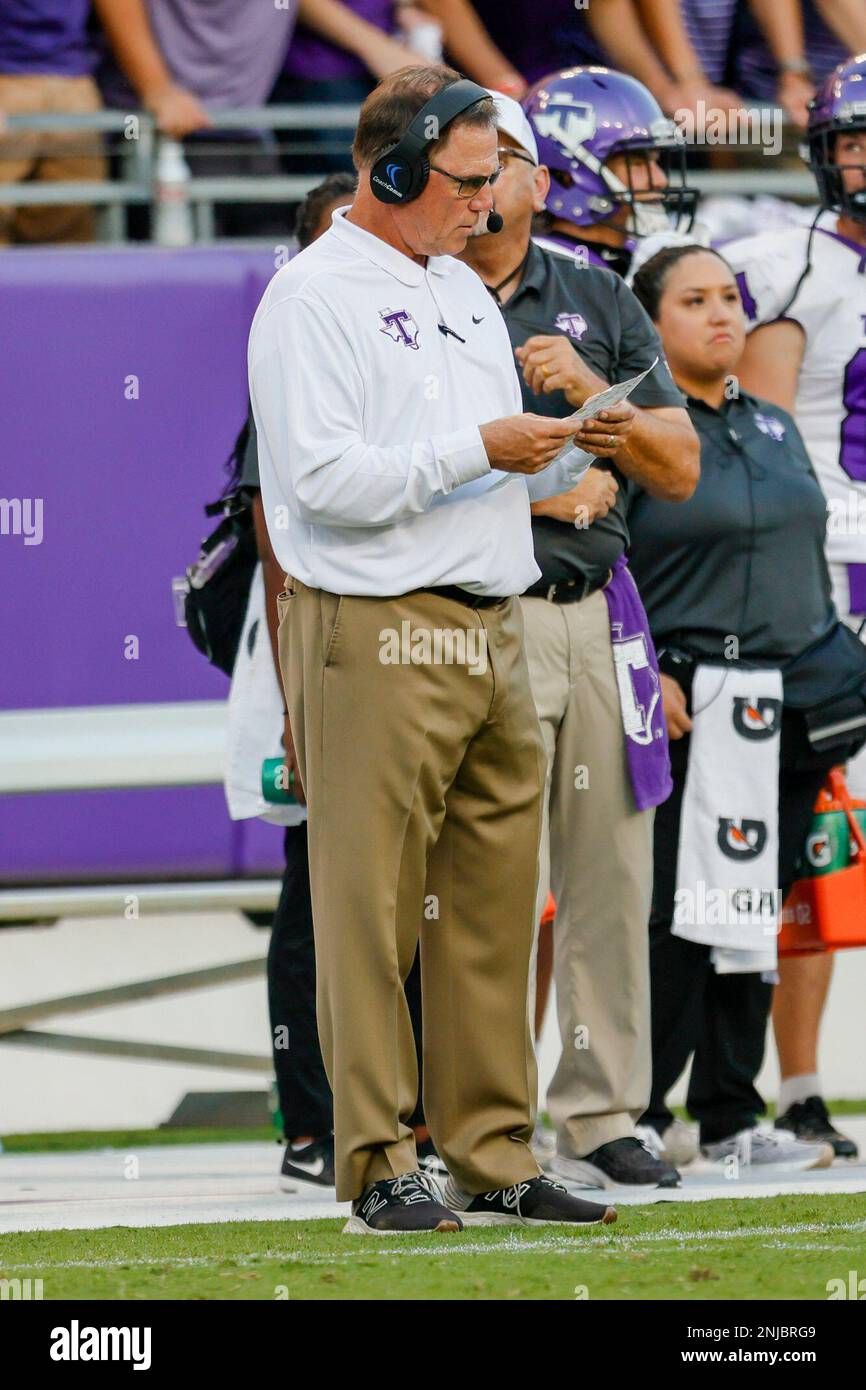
678, 1145
769, 1151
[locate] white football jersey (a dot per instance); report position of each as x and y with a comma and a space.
830, 306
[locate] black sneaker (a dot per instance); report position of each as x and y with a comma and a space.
619, 1163
429, 1160
313, 1162
536, 1202
810, 1119
401, 1206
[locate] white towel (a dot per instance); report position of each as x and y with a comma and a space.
727, 865
255, 720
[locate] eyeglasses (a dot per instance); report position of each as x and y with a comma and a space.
472, 186
506, 152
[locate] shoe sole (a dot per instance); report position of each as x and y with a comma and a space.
288, 1182
829, 1142
587, 1175
774, 1170
357, 1226
502, 1219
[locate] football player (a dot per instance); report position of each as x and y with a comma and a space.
617, 165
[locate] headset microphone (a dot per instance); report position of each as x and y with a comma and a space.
495, 222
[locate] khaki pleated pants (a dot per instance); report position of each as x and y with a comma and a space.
424, 784
597, 858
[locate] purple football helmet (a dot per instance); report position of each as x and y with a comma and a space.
839, 105
581, 118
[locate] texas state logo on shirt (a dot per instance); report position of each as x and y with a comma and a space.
575, 325
401, 326
769, 425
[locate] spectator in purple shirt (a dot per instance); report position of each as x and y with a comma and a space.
802, 41
338, 40
185, 58
758, 45
174, 56
342, 47
190, 60
630, 36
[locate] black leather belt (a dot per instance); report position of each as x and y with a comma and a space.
454, 591
569, 590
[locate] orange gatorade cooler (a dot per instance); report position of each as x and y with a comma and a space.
826, 908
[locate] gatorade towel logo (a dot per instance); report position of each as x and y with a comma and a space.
743, 839
819, 850
756, 719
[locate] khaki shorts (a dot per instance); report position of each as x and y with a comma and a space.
46, 156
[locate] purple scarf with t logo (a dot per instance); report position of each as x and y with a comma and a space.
640, 695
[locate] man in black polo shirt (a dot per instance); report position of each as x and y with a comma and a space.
576, 330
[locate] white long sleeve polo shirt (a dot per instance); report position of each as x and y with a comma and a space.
373, 473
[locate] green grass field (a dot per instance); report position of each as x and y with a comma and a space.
76, 1140
780, 1247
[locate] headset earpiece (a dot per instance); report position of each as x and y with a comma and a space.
400, 175
396, 178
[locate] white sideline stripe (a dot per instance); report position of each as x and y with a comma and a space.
163, 744
557, 1245
191, 1184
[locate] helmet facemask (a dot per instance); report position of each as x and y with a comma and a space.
671, 208
821, 157
650, 211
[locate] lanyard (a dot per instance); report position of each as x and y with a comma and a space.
518, 270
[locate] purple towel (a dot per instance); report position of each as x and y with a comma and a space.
637, 674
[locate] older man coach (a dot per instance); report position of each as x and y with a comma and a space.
395, 467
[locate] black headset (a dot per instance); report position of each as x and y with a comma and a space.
401, 173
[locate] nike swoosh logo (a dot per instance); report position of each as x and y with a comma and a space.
315, 1169
481, 320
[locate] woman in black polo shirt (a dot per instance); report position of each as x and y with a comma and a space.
734, 581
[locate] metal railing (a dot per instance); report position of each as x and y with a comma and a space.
105, 747
138, 149
140, 144
16, 1029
